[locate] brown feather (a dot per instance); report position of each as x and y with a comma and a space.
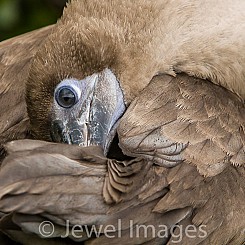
15, 59
176, 120
207, 143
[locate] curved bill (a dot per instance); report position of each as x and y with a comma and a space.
93, 120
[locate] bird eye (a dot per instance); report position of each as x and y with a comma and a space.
66, 97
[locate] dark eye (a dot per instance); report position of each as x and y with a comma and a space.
66, 97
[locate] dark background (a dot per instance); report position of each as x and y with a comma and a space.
20, 16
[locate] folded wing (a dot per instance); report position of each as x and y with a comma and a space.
185, 118
15, 59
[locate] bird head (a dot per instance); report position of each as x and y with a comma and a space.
84, 76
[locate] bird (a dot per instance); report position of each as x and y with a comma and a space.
128, 115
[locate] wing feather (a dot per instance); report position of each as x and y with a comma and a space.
15, 59
205, 121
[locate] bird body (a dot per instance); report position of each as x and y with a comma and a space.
166, 78
146, 38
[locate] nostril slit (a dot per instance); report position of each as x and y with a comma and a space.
57, 131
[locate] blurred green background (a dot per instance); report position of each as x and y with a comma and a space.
20, 16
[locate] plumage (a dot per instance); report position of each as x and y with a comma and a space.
15, 59
167, 79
